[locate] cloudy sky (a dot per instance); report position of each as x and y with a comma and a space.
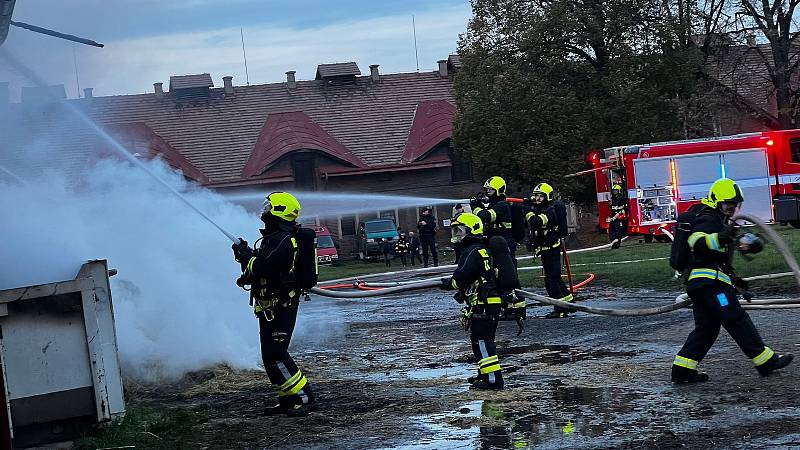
148, 40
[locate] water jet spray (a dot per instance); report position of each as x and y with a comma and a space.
119, 148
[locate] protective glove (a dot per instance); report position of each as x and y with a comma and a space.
241, 251
750, 243
446, 285
726, 236
460, 297
474, 202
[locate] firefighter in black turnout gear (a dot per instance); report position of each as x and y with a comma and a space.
474, 278
495, 212
617, 220
270, 271
542, 218
712, 285
427, 236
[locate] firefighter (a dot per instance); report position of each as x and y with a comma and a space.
711, 285
475, 281
542, 218
269, 271
427, 236
495, 212
617, 221
401, 248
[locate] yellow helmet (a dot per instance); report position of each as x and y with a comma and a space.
282, 205
616, 187
496, 183
723, 190
544, 189
472, 223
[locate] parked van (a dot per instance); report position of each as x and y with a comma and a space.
369, 231
326, 248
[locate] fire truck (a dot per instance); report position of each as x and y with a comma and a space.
664, 179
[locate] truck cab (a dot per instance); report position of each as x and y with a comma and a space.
370, 237
327, 252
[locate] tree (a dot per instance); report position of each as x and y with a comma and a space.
544, 81
775, 21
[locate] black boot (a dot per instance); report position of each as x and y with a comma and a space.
682, 375
482, 382
776, 362
556, 315
300, 409
278, 408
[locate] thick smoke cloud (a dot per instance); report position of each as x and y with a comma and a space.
176, 305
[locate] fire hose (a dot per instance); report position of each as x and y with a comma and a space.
683, 300
379, 289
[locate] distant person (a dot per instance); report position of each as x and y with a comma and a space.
618, 219
712, 286
401, 248
413, 247
543, 219
427, 236
386, 247
495, 212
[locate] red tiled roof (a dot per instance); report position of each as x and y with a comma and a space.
217, 134
372, 120
286, 132
202, 80
155, 146
433, 123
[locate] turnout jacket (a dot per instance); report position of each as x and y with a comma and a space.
543, 222
427, 225
271, 269
474, 277
711, 242
402, 247
496, 218
619, 204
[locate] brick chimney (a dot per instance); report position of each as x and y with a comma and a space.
291, 83
159, 89
373, 72
442, 68
228, 82
88, 93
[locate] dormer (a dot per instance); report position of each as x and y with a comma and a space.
198, 85
339, 73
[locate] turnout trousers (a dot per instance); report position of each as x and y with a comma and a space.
553, 283
616, 230
716, 305
482, 333
429, 245
283, 373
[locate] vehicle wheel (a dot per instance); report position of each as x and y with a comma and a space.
648, 238
795, 223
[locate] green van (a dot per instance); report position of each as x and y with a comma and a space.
369, 231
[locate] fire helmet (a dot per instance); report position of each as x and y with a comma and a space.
544, 189
496, 183
723, 190
282, 205
472, 223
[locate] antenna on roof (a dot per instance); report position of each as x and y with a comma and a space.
244, 55
416, 54
75, 63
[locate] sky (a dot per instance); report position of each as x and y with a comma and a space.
146, 41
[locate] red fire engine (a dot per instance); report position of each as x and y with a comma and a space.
664, 179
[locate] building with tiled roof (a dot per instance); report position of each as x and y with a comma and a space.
342, 132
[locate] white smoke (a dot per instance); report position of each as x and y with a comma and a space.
176, 305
